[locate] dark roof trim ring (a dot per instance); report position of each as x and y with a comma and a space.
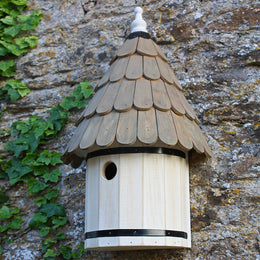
124, 150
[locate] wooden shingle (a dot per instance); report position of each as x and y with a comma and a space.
138, 102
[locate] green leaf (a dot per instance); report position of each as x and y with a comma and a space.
13, 30
3, 197
47, 157
53, 209
5, 212
9, 20
3, 51
17, 170
60, 236
60, 221
35, 185
40, 170
66, 252
44, 231
15, 223
76, 254
15, 210
52, 176
19, 2
86, 89
5, 65
50, 253
67, 103
51, 194
40, 201
37, 220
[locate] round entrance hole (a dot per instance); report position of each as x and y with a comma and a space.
110, 170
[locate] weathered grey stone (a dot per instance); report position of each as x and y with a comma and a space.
213, 48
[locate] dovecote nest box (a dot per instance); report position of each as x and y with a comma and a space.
138, 135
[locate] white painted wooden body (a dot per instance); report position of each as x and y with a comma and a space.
149, 191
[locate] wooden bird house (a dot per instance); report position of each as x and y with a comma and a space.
138, 135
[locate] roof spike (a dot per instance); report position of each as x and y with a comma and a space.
139, 24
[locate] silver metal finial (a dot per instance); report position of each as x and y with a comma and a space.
139, 24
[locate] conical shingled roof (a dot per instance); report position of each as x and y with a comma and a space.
138, 102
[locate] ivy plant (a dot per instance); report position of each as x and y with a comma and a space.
36, 168
29, 163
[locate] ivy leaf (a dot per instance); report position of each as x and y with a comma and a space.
35, 185
12, 30
51, 194
50, 253
19, 2
47, 157
86, 89
3, 51
5, 65
53, 209
76, 254
37, 220
40, 201
15, 223
41, 170
67, 103
17, 170
52, 176
60, 236
9, 20
66, 252
5, 212
44, 231
60, 221
3, 197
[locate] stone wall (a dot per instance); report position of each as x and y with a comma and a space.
213, 48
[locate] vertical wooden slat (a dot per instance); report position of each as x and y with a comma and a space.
130, 196
166, 129
146, 47
107, 102
108, 201
127, 127
160, 52
75, 140
89, 137
135, 67
147, 127
108, 128
173, 198
93, 103
125, 98
189, 111
128, 48
194, 135
92, 200
150, 67
119, 69
160, 95
153, 196
165, 70
143, 99
186, 199
173, 94
182, 132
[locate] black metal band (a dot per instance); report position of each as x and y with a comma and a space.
136, 233
139, 34
124, 150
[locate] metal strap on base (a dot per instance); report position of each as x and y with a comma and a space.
124, 150
136, 233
